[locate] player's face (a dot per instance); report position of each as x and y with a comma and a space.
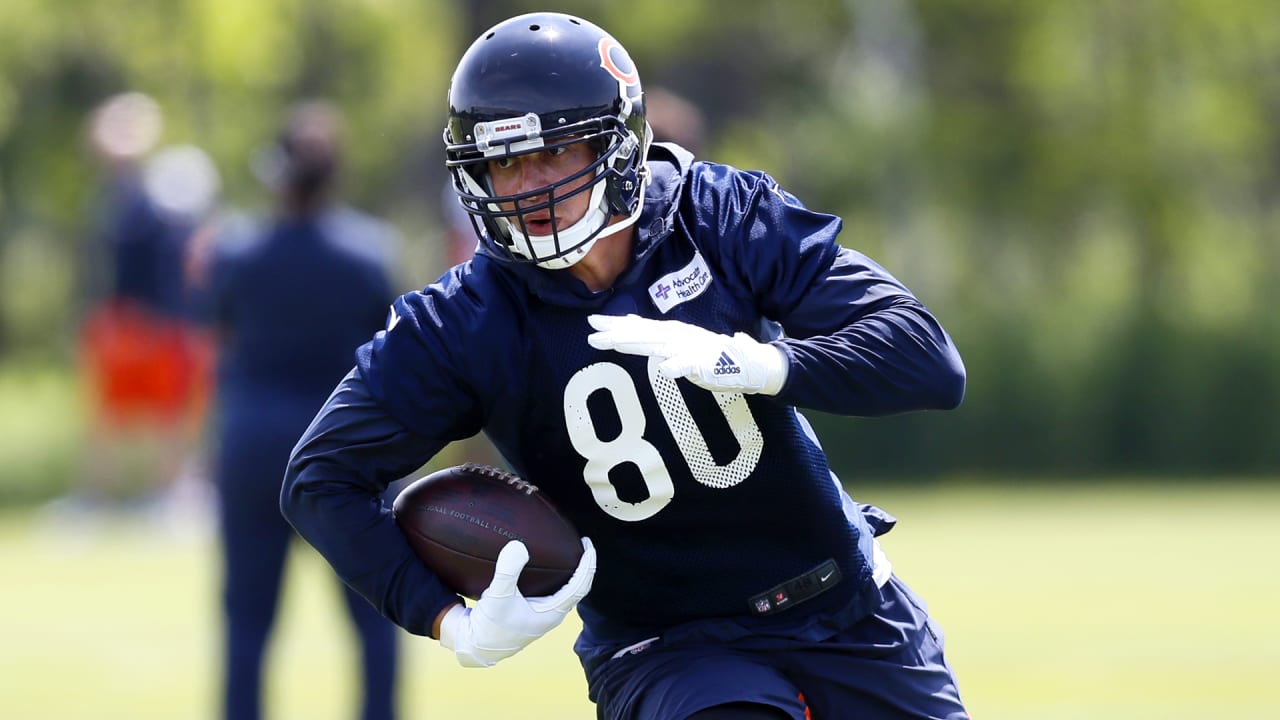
528, 173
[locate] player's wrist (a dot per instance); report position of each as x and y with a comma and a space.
766, 364
447, 624
456, 636
776, 366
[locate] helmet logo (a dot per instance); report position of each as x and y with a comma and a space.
614, 59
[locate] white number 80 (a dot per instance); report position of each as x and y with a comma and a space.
631, 447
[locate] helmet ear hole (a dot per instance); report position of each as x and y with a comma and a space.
629, 173
614, 194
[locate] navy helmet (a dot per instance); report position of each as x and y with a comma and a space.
536, 82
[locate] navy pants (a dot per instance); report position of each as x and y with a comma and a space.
255, 541
888, 666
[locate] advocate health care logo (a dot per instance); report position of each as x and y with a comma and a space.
682, 285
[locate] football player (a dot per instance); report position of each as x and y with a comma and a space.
635, 335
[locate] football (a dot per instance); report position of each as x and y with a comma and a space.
459, 518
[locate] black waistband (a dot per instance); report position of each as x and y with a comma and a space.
796, 590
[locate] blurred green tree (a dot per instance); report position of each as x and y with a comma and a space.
1086, 193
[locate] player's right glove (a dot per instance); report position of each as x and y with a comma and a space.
503, 621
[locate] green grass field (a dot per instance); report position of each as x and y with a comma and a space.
1099, 602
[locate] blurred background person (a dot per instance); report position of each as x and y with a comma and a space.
143, 362
675, 118
459, 237
289, 299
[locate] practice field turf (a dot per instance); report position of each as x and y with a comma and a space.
1088, 602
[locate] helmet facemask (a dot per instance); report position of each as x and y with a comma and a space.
617, 178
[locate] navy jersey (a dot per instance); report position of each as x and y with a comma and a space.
145, 247
696, 501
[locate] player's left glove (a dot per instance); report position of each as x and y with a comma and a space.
721, 363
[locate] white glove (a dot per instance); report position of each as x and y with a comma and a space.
503, 621
716, 362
